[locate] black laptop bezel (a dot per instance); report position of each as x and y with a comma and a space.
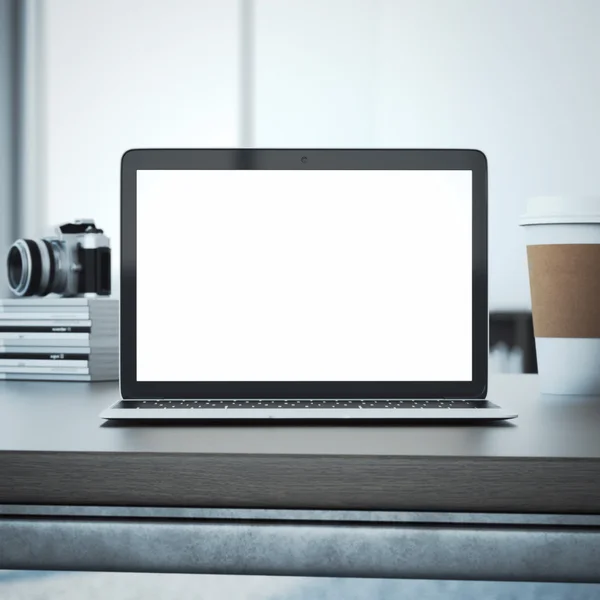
302, 159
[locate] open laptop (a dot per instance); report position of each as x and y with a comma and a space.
304, 284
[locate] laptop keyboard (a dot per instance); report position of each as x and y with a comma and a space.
314, 404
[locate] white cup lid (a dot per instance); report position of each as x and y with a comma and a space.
543, 210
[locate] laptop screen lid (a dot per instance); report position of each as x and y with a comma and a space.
304, 274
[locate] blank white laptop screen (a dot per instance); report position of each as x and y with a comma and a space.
304, 275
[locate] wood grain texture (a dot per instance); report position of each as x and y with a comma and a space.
55, 450
303, 482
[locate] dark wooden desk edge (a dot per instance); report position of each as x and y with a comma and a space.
424, 483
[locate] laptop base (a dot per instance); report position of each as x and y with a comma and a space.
340, 409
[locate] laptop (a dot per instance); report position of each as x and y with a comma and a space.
304, 284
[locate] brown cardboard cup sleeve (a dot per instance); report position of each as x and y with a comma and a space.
565, 290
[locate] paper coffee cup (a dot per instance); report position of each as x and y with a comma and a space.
563, 253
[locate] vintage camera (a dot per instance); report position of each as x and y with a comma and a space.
75, 262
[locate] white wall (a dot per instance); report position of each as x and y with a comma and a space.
132, 73
315, 73
6, 137
518, 79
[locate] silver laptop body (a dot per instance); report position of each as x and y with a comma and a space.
388, 347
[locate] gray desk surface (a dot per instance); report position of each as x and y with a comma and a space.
518, 500
54, 449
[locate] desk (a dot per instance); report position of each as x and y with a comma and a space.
516, 500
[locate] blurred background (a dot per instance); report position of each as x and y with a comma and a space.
82, 81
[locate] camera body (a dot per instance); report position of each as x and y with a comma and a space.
75, 262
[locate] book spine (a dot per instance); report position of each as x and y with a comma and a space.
45, 302
42, 363
45, 329
26, 350
50, 341
47, 370
52, 377
47, 336
56, 356
26, 324
43, 316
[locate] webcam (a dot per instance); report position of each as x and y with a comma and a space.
304, 160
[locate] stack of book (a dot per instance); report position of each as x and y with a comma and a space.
61, 339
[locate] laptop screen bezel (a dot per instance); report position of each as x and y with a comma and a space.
302, 159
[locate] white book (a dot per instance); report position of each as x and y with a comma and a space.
97, 370
59, 362
54, 302
99, 351
47, 370
55, 363
60, 312
49, 339
16, 335
50, 316
41, 322
55, 377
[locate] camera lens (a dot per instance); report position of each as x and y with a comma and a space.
304, 160
31, 267
16, 268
